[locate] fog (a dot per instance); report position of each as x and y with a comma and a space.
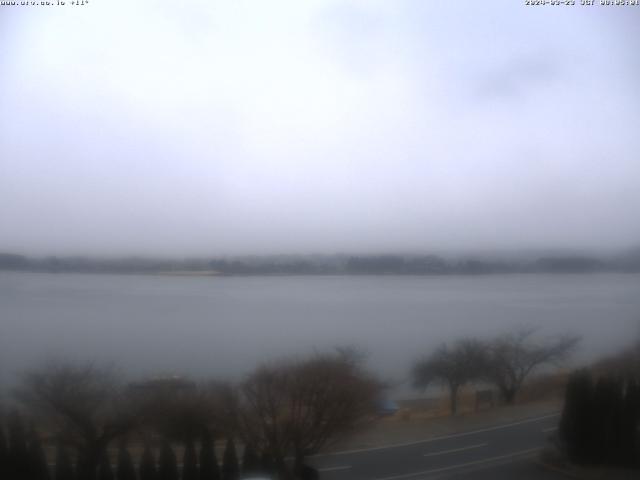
213, 128
302, 239
207, 129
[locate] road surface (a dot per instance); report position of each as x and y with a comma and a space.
498, 452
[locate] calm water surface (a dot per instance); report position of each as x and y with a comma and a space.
225, 326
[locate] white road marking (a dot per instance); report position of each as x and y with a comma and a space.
333, 469
435, 439
462, 465
550, 429
453, 450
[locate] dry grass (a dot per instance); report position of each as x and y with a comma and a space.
544, 387
540, 388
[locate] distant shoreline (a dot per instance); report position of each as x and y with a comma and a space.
322, 265
191, 273
204, 274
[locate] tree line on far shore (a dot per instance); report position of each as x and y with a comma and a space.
331, 264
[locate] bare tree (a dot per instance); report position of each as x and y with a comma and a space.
296, 408
182, 410
512, 357
452, 366
84, 404
178, 411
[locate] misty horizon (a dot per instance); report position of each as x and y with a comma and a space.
323, 126
506, 253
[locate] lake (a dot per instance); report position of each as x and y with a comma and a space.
224, 326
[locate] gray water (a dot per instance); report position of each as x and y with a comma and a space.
222, 327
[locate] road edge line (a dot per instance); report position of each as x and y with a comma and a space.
519, 453
434, 439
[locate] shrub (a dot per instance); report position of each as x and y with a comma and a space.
37, 460
64, 468
189, 462
148, 469
18, 454
168, 466
209, 469
230, 467
599, 423
105, 472
125, 470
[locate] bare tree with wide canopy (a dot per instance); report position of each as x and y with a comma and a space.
512, 357
296, 408
84, 405
453, 366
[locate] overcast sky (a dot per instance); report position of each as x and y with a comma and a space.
204, 128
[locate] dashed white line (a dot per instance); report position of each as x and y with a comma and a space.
550, 429
462, 465
334, 469
453, 450
435, 439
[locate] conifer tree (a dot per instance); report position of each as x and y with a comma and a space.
266, 463
230, 467
615, 448
38, 467
605, 422
18, 461
189, 462
148, 470
630, 424
168, 466
105, 472
250, 461
4, 453
125, 469
64, 468
575, 424
599, 423
209, 469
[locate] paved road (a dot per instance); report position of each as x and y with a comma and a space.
499, 452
